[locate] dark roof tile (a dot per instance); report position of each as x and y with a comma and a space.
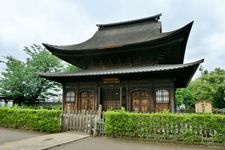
122, 70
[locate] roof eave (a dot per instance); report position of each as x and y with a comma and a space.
190, 70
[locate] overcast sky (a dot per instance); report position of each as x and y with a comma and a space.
58, 22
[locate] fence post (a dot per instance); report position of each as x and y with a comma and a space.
99, 111
62, 121
97, 119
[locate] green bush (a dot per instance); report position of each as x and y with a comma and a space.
37, 106
39, 120
188, 128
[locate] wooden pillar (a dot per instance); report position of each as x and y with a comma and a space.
152, 104
63, 98
121, 96
127, 102
77, 91
95, 98
172, 99
99, 96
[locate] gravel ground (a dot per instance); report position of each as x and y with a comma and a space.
105, 143
9, 135
99, 143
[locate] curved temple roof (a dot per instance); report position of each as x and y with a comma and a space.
130, 49
124, 36
120, 35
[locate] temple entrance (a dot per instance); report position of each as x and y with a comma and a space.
110, 98
87, 100
140, 101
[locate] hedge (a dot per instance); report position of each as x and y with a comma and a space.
37, 120
185, 128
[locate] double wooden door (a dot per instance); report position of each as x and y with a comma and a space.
140, 100
87, 99
110, 98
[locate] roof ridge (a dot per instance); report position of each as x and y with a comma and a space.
151, 18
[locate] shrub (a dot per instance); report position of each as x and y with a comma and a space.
188, 128
37, 106
39, 120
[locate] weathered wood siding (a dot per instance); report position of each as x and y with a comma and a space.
133, 95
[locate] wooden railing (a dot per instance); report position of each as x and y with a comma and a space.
89, 122
78, 121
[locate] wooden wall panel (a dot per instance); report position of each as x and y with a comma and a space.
160, 107
145, 102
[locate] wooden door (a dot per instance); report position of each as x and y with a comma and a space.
87, 100
140, 101
110, 98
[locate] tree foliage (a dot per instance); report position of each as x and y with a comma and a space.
184, 96
210, 86
12, 81
20, 79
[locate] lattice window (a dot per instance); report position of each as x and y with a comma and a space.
70, 96
111, 94
162, 96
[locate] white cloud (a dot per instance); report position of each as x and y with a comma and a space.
207, 34
216, 46
26, 22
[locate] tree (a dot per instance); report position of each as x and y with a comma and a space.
20, 79
210, 86
12, 81
184, 96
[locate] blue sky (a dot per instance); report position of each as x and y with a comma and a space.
59, 22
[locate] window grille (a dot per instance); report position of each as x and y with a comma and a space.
70, 96
110, 94
162, 96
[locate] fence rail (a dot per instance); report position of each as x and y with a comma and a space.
90, 122
78, 121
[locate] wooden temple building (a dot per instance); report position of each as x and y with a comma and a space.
131, 64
